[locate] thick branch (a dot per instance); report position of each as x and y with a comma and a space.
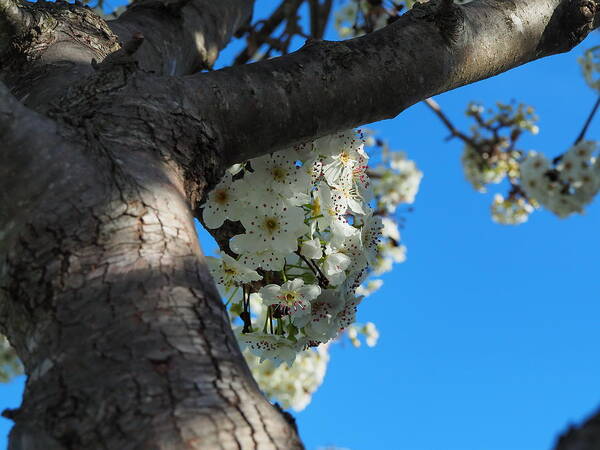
329, 86
182, 36
583, 437
56, 42
13, 21
52, 50
105, 281
32, 157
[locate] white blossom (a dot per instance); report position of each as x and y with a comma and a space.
229, 272
223, 203
291, 298
566, 188
390, 229
312, 249
510, 211
371, 333
279, 172
269, 346
275, 227
335, 264
369, 288
291, 387
324, 323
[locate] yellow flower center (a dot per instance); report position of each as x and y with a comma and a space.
345, 158
278, 173
229, 270
271, 224
221, 196
289, 297
316, 208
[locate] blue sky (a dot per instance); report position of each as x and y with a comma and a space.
489, 334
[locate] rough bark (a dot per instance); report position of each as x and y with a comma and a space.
183, 36
104, 292
53, 44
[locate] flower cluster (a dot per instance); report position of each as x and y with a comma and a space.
368, 331
291, 386
590, 65
489, 156
511, 210
310, 224
481, 168
307, 237
395, 182
566, 184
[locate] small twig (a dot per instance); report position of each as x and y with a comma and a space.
435, 107
259, 37
314, 17
315, 269
245, 315
588, 122
325, 12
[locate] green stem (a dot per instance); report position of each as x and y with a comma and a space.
267, 320
237, 288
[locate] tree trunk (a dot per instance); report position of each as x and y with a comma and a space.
116, 319
105, 293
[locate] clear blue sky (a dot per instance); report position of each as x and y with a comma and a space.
489, 334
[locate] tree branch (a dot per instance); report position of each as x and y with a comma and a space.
13, 20
319, 17
60, 40
328, 86
583, 437
588, 121
31, 150
286, 9
454, 132
182, 36
53, 49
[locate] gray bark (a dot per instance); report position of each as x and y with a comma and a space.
183, 36
104, 292
107, 300
330, 86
